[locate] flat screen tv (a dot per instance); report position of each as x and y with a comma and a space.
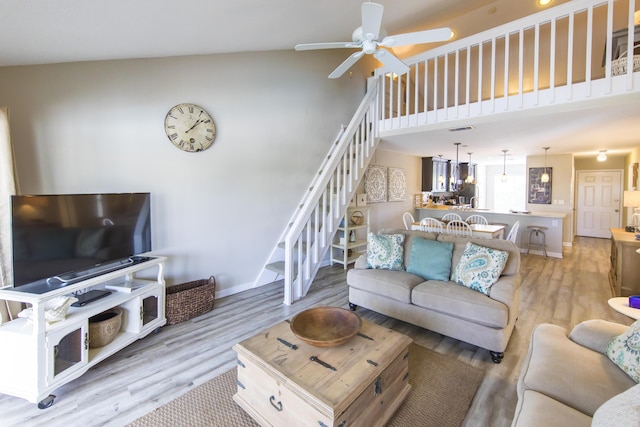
59, 239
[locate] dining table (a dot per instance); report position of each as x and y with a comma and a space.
482, 231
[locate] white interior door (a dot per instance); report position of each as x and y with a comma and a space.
598, 207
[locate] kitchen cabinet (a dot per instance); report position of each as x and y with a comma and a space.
467, 169
435, 174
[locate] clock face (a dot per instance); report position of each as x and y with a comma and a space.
189, 127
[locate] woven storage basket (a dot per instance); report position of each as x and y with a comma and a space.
357, 218
619, 66
189, 300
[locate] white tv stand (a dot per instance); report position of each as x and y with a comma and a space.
38, 358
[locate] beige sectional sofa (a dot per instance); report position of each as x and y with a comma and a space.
443, 306
568, 380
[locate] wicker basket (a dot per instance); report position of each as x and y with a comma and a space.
619, 66
357, 218
104, 327
189, 300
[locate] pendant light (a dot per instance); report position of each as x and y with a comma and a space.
440, 175
469, 178
545, 176
504, 167
456, 174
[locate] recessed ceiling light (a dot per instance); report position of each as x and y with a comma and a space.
543, 3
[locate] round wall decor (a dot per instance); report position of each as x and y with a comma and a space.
189, 127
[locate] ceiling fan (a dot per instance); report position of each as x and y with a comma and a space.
372, 38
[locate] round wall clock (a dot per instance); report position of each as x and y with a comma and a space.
189, 127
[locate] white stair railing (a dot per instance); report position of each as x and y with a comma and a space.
310, 235
558, 56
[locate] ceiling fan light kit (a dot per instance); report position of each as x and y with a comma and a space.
372, 39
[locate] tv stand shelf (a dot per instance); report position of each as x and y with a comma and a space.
42, 357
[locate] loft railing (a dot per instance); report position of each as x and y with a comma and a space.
310, 235
558, 56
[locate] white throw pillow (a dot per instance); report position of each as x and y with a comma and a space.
385, 251
479, 267
624, 351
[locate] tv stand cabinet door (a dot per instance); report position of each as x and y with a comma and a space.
67, 352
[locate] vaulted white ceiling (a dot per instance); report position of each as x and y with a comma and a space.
40, 32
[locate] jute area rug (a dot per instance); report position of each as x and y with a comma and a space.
441, 392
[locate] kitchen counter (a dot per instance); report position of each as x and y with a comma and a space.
552, 220
468, 211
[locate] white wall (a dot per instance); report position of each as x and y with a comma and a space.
389, 214
98, 127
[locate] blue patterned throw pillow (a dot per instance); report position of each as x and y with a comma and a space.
624, 351
385, 251
479, 267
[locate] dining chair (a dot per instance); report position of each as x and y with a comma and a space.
513, 233
408, 219
459, 228
476, 219
431, 224
451, 217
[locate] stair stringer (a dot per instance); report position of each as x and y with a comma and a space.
308, 235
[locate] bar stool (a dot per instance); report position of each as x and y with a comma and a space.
542, 243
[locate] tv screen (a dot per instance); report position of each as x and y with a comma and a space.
56, 235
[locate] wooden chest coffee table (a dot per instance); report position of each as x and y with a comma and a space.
283, 381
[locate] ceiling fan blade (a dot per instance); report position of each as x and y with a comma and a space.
331, 45
394, 65
371, 20
427, 36
346, 65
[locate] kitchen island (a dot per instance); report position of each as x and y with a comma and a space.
552, 220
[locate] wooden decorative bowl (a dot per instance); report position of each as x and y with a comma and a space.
325, 326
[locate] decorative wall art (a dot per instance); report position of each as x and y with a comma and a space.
375, 184
540, 192
397, 185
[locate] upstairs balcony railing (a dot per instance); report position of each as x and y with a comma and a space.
561, 55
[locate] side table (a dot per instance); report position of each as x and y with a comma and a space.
621, 305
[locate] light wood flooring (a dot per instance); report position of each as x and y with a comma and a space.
160, 367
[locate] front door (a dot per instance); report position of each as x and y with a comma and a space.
598, 204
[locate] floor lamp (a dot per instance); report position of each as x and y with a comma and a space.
631, 199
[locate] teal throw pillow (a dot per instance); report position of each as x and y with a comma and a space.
385, 251
430, 259
479, 267
624, 351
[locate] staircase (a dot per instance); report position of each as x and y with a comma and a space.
558, 59
307, 238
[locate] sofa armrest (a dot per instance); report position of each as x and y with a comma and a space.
506, 289
361, 262
595, 334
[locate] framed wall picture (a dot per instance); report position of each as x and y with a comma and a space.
397, 190
539, 192
375, 184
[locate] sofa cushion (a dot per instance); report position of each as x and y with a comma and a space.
460, 302
624, 351
385, 251
396, 285
479, 267
621, 410
536, 409
408, 240
429, 259
568, 372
